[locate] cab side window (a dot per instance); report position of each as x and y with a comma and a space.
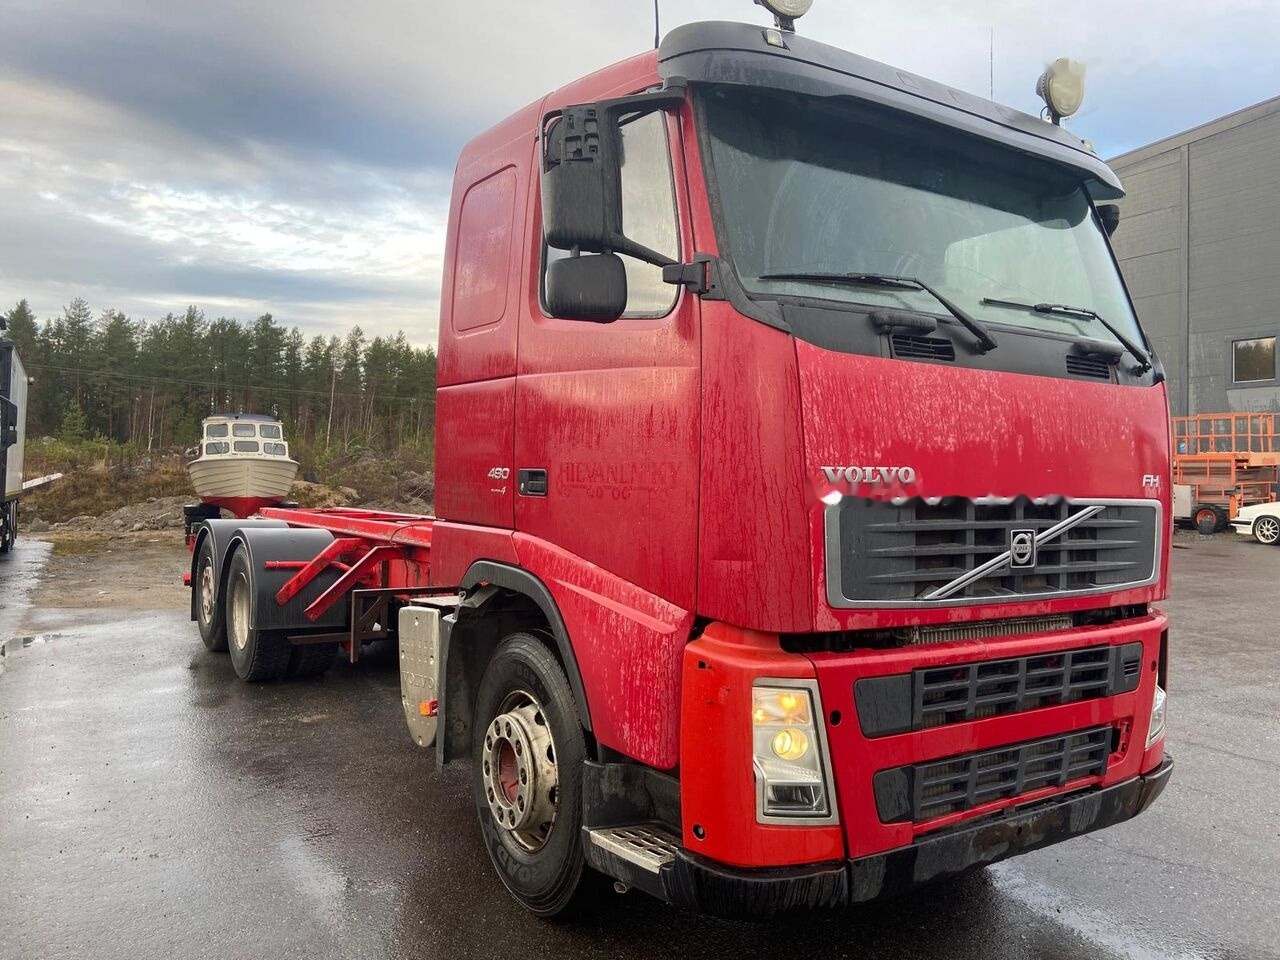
648, 214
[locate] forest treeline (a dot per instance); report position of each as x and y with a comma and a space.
149, 384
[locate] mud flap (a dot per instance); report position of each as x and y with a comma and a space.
419, 632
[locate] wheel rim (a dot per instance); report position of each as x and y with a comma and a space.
206, 592
521, 779
1267, 529
239, 619
1206, 516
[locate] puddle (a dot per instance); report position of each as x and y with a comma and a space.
16, 644
13, 644
19, 574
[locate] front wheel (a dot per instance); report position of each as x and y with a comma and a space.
1266, 530
528, 753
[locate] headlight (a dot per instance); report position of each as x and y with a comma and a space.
1157, 717
792, 780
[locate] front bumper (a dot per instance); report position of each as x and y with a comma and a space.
708, 887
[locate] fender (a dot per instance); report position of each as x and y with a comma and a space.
265, 544
525, 583
220, 532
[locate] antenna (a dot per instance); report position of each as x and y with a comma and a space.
657, 28
991, 65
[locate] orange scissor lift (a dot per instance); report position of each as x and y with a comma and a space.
1228, 461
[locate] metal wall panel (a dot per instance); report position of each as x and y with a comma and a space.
1199, 244
1151, 247
1235, 253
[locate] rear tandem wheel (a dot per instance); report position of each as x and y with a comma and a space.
256, 654
210, 614
8, 525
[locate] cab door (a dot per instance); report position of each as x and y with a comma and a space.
607, 437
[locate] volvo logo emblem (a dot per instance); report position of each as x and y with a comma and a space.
1022, 549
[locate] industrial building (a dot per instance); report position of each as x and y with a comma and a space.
1199, 245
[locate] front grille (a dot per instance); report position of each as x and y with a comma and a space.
1096, 368
937, 696
907, 347
955, 550
925, 791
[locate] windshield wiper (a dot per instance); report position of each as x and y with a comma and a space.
986, 342
1144, 362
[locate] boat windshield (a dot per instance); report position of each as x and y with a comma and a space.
215, 430
217, 447
269, 431
275, 449
813, 190
246, 446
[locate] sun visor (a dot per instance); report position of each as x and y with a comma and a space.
735, 53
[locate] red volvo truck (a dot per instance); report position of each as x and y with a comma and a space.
803, 490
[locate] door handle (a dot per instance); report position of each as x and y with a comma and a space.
532, 483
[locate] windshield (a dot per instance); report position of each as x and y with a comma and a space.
810, 185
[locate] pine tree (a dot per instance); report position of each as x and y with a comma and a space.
74, 425
23, 328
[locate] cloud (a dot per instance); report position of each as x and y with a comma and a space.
296, 156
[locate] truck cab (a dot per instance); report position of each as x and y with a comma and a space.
802, 453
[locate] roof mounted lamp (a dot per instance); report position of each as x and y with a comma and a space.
1061, 87
786, 12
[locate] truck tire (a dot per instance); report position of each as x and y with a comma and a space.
8, 525
210, 616
257, 655
528, 752
310, 660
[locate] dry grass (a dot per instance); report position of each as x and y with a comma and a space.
99, 478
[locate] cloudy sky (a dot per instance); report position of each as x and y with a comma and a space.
295, 155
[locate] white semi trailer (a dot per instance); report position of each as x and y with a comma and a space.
13, 430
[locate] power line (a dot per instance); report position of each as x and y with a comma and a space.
216, 385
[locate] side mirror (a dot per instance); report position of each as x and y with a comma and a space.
1109, 214
591, 287
582, 174
578, 162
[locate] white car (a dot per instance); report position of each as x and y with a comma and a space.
1260, 521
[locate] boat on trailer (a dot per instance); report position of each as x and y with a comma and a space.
244, 463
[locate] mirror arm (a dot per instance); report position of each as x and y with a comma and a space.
701, 276
672, 94
623, 245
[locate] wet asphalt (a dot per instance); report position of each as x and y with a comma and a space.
153, 806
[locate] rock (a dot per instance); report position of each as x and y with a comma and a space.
36, 525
